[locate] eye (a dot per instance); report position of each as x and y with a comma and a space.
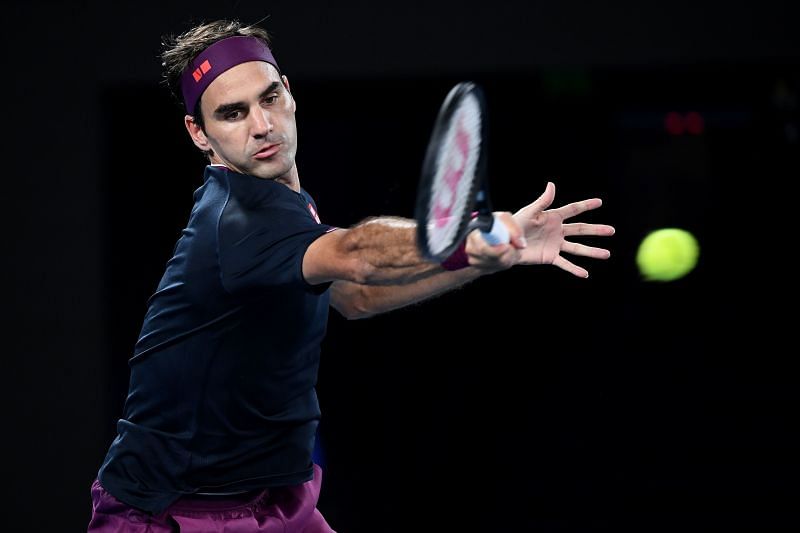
233, 115
271, 99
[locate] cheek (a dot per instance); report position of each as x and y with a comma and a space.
230, 136
291, 127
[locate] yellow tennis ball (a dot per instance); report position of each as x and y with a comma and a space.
667, 254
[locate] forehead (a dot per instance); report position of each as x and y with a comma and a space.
240, 83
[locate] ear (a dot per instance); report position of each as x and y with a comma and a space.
196, 133
285, 81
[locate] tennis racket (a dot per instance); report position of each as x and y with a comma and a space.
453, 183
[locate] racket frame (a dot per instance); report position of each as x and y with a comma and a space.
478, 197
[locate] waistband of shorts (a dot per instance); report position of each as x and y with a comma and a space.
221, 502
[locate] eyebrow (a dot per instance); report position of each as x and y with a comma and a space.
238, 106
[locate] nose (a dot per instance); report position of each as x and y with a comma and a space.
261, 122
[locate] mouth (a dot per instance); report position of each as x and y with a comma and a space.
268, 151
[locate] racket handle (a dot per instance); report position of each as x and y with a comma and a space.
497, 234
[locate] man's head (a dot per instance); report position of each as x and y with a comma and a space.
240, 112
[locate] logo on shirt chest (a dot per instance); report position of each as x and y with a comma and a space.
314, 213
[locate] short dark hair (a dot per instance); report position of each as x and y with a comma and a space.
178, 52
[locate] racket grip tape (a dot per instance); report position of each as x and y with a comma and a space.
498, 234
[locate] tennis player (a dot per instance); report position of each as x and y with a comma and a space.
219, 424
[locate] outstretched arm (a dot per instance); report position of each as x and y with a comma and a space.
384, 251
544, 233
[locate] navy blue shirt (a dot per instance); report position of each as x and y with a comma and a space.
222, 380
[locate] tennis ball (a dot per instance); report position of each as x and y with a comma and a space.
667, 254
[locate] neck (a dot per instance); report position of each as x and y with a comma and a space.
291, 179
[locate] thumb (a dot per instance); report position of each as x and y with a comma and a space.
543, 202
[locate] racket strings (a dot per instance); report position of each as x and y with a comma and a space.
453, 181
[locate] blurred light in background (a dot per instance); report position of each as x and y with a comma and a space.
692, 123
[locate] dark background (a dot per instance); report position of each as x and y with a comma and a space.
551, 403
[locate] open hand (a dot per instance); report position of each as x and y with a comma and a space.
545, 231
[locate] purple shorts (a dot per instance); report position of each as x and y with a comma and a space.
284, 510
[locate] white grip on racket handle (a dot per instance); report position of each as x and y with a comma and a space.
498, 234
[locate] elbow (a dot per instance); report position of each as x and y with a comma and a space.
359, 308
354, 303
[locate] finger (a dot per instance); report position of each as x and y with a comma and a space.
480, 249
582, 228
476, 245
484, 255
570, 267
508, 258
547, 197
586, 251
576, 208
543, 202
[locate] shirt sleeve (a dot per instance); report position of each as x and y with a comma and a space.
264, 247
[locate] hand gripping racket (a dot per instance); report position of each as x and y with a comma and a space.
453, 182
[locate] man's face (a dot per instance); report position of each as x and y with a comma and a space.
249, 121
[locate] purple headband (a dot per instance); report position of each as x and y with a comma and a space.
216, 59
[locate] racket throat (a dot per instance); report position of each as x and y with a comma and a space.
483, 222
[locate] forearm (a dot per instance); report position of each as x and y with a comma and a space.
388, 246
378, 251
361, 301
